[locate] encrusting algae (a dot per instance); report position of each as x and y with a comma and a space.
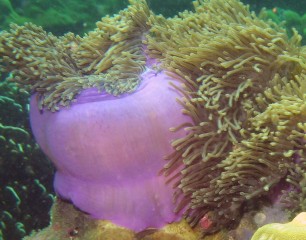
244, 86
77, 225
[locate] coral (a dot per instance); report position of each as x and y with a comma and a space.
57, 16
24, 172
288, 18
293, 5
169, 8
295, 230
240, 134
81, 226
263, 214
76, 16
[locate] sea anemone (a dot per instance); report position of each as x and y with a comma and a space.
235, 107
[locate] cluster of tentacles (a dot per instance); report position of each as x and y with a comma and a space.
244, 82
245, 91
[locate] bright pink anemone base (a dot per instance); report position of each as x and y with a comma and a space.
109, 150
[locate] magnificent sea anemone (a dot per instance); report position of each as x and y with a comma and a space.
109, 150
218, 93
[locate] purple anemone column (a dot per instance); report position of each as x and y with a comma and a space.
109, 150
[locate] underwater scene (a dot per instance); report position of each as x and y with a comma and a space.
150, 119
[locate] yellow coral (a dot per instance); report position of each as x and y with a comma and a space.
294, 230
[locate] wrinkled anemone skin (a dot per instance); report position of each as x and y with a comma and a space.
109, 150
